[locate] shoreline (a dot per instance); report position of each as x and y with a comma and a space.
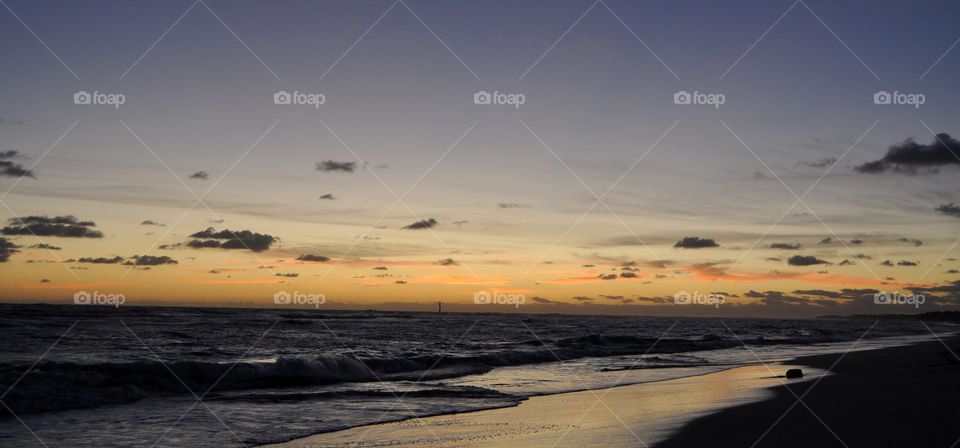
896, 396
697, 412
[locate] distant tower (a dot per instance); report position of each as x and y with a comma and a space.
439, 307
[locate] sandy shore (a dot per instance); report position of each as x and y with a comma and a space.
625, 416
902, 396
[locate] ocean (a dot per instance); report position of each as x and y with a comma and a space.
88, 376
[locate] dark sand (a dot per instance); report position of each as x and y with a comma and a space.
896, 397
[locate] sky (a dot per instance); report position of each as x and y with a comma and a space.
783, 188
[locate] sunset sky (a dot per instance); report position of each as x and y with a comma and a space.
579, 199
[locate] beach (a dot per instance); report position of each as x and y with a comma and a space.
909, 388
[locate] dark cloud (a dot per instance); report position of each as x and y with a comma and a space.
149, 222
315, 258
822, 163
628, 275
291, 275
786, 246
13, 169
804, 260
328, 197
543, 300
583, 299
448, 262
227, 239
695, 242
856, 241
401, 282
907, 263
845, 262
331, 165
819, 292
60, 226
422, 224
6, 249
380, 268
202, 175
150, 260
511, 205
906, 157
608, 276
949, 209
913, 241
827, 240
886, 263
45, 246
100, 260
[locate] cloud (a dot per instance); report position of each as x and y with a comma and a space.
543, 300
6, 249
330, 165
786, 246
448, 262
628, 275
694, 242
243, 239
422, 224
827, 240
906, 157
151, 223
907, 263
949, 209
401, 282
583, 299
150, 260
822, 163
804, 260
13, 169
913, 241
100, 260
886, 263
291, 275
328, 197
512, 205
314, 258
59, 226
202, 175
45, 246
379, 268
607, 277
